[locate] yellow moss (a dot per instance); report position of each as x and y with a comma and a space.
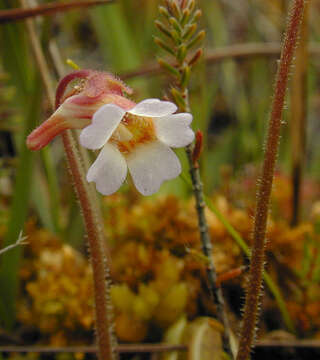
122, 297
171, 305
156, 278
130, 329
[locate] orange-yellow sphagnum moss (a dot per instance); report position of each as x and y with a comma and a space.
58, 281
157, 268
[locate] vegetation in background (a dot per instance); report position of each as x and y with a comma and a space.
45, 286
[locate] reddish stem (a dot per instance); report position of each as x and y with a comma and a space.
265, 184
198, 147
106, 340
103, 311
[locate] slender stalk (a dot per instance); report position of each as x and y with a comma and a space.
214, 289
298, 121
46, 156
181, 17
273, 288
149, 348
103, 308
20, 241
106, 340
265, 183
123, 348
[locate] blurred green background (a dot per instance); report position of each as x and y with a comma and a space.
230, 101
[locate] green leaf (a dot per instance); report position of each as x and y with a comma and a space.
10, 261
119, 46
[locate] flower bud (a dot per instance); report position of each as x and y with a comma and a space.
76, 106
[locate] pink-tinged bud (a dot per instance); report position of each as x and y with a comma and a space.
94, 84
76, 106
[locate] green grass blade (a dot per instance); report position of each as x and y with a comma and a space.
53, 188
117, 42
9, 280
16, 62
40, 199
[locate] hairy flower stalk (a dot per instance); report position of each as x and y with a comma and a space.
265, 184
101, 277
180, 29
103, 309
74, 109
298, 119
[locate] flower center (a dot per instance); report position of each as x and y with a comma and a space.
132, 132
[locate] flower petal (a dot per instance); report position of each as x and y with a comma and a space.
104, 123
174, 130
67, 116
153, 108
108, 171
151, 164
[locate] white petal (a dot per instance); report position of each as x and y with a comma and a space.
174, 130
104, 123
151, 164
153, 108
108, 171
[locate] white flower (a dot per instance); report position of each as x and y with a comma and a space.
138, 139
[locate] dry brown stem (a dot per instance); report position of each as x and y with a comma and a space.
235, 52
47, 9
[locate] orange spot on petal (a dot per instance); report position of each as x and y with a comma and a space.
142, 130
